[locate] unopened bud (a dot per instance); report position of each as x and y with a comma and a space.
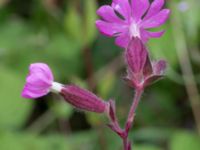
83, 99
141, 70
136, 55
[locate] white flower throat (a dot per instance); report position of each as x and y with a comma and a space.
134, 30
56, 87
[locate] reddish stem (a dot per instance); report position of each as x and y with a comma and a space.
133, 108
131, 116
123, 133
125, 143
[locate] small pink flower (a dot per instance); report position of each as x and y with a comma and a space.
39, 82
126, 19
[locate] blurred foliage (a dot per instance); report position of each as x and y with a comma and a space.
184, 140
60, 33
13, 112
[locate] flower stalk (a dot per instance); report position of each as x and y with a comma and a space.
133, 108
114, 125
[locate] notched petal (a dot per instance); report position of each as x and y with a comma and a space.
156, 20
155, 7
108, 14
139, 7
109, 29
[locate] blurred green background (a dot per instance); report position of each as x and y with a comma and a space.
62, 34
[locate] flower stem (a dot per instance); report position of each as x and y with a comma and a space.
133, 108
130, 119
125, 143
114, 125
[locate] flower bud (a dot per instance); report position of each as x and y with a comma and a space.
83, 99
136, 55
141, 71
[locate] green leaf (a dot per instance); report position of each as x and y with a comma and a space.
164, 48
24, 141
61, 109
73, 23
27, 141
90, 31
154, 135
83, 141
80, 24
12, 34
62, 47
184, 140
145, 147
13, 109
95, 119
106, 83
191, 20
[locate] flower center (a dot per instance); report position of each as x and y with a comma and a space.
134, 30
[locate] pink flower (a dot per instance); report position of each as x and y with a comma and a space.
141, 70
39, 81
126, 19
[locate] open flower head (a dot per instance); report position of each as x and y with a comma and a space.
126, 19
39, 81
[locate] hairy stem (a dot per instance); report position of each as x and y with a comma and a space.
131, 117
133, 108
125, 143
114, 125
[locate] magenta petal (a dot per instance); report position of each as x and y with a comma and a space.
108, 14
139, 7
146, 35
154, 8
155, 34
27, 93
109, 29
35, 88
122, 7
156, 20
122, 40
38, 79
43, 68
38, 82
